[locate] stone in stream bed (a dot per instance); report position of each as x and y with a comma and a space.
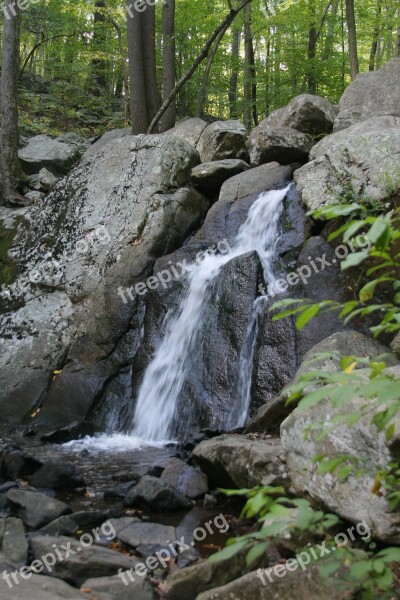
150, 492
119, 491
135, 533
114, 588
57, 476
186, 479
13, 544
35, 509
17, 464
80, 561
69, 524
39, 587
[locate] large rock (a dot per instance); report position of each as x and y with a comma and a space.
186, 584
106, 138
301, 584
209, 177
150, 492
44, 152
341, 343
352, 498
241, 461
114, 588
189, 129
36, 510
282, 144
371, 94
39, 587
222, 139
354, 159
187, 480
80, 561
96, 234
13, 544
136, 533
57, 476
17, 464
306, 113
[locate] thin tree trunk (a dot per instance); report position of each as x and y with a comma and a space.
312, 50
330, 33
248, 47
398, 34
11, 174
375, 36
352, 33
203, 54
99, 66
233, 82
168, 60
204, 82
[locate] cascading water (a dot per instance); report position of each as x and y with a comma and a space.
164, 377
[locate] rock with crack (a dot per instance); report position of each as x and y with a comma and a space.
221, 140
283, 144
69, 325
35, 509
209, 177
306, 113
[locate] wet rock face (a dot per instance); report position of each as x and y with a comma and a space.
100, 229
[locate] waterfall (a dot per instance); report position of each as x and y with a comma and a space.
164, 377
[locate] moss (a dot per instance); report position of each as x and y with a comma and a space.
8, 268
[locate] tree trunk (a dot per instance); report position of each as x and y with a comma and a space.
352, 33
375, 36
233, 82
138, 102
99, 65
149, 60
330, 33
168, 61
204, 82
312, 50
11, 174
248, 52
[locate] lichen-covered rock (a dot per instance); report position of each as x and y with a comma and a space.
371, 94
221, 140
98, 232
352, 498
241, 461
306, 113
189, 129
364, 158
209, 177
282, 144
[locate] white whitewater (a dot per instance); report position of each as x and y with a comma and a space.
164, 377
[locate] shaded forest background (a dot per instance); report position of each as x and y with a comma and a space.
272, 52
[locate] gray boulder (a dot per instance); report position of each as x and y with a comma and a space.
47, 180
136, 533
241, 461
39, 587
106, 138
95, 235
371, 94
114, 588
221, 140
36, 510
306, 113
57, 476
352, 498
209, 177
13, 544
80, 561
301, 584
364, 158
188, 480
282, 144
44, 152
189, 129
159, 495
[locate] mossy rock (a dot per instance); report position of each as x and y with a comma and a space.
8, 267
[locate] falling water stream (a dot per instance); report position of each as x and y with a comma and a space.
163, 380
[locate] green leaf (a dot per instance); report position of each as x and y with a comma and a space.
255, 552
307, 315
228, 552
354, 259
